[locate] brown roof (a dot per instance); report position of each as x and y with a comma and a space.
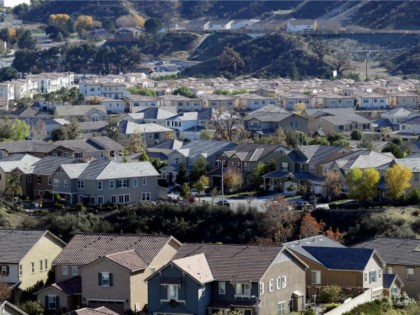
234, 263
86, 248
128, 259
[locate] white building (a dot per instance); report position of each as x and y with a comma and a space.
301, 25
13, 3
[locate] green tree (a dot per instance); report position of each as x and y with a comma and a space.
201, 184
144, 156
260, 170
206, 134
397, 179
153, 26
181, 176
73, 129
395, 149
8, 73
136, 144
199, 168
362, 184
185, 190
32, 308
184, 91
13, 189
25, 60
231, 61
19, 130
26, 41
356, 135
59, 134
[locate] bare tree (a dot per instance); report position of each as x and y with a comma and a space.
320, 49
225, 123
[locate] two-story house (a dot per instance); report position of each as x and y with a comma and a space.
254, 101
402, 257
205, 279
105, 181
139, 102
26, 256
330, 263
107, 270
82, 112
182, 103
151, 133
302, 167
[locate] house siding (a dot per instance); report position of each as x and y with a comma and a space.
412, 287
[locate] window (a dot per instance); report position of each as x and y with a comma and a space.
120, 198
278, 283
316, 277
39, 180
99, 185
135, 182
271, 285
80, 184
281, 308
74, 270
126, 198
389, 270
65, 183
372, 276
144, 181
366, 277
64, 270
261, 288
243, 289
111, 184
145, 196
283, 282
100, 200
49, 181
172, 291
410, 274
45, 264
222, 287
379, 273
40, 265
32, 267
4, 270
114, 199
29, 178
105, 279
20, 270
284, 167
51, 302
122, 183
56, 182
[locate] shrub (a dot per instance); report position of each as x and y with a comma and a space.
330, 294
32, 308
331, 306
356, 135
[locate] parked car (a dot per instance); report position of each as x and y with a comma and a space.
223, 203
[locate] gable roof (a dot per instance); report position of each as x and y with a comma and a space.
364, 159
27, 146
128, 259
107, 169
23, 162
204, 148
314, 153
130, 127
196, 266
234, 263
49, 164
86, 248
79, 110
254, 152
396, 251
388, 280
70, 286
339, 258
92, 311
8, 308
22, 242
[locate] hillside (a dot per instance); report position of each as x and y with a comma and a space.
406, 63
265, 56
375, 14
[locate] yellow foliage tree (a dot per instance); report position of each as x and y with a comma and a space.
59, 19
86, 22
11, 32
299, 108
132, 19
362, 184
397, 179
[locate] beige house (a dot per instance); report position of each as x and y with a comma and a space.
111, 268
402, 257
28, 263
330, 263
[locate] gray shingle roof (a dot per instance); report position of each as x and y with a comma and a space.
233, 262
27, 146
15, 244
398, 251
86, 248
49, 164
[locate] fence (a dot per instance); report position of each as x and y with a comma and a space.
352, 303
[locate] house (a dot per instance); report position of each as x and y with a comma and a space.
138, 102
329, 100
82, 112
101, 147
330, 263
190, 152
162, 150
301, 25
182, 103
289, 100
332, 120
7, 308
128, 33
112, 269
393, 285
402, 257
151, 133
113, 90
113, 106
36, 148
205, 279
410, 125
188, 125
404, 99
219, 101
154, 115
244, 158
413, 163
302, 167
254, 101
371, 101
106, 182
267, 120
26, 256
397, 115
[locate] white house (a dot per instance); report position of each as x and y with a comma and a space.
218, 25
411, 125
113, 106
140, 102
371, 101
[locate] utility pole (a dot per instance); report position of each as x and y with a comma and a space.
223, 189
